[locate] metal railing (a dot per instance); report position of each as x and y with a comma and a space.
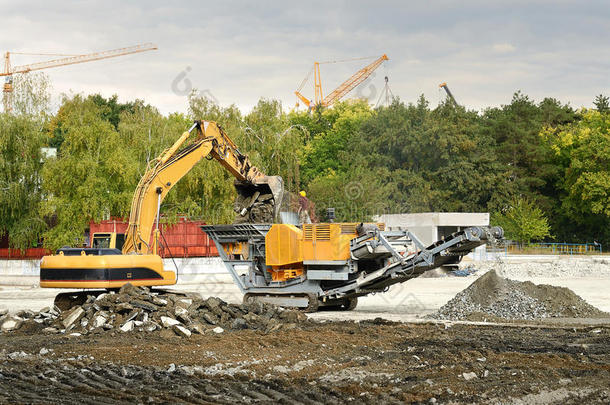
514, 248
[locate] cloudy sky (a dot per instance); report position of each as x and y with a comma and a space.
241, 51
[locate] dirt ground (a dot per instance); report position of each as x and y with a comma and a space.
329, 362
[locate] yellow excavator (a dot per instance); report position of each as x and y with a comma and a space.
104, 266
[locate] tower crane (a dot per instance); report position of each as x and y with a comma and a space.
9, 70
449, 94
340, 91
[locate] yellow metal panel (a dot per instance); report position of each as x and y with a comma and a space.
283, 245
327, 241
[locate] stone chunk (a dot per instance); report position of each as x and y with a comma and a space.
159, 301
127, 326
99, 320
198, 328
182, 331
469, 376
72, 317
167, 322
123, 307
144, 305
239, 323
11, 324
130, 289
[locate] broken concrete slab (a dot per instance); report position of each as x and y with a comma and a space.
73, 316
167, 322
127, 326
182, 331
11, 324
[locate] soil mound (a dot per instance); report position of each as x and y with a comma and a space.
492, 297
138, 309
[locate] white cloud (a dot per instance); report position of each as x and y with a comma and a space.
503, 48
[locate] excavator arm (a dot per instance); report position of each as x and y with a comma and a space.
259, 196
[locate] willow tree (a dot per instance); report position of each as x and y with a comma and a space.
22, 136
93, 176
21, 160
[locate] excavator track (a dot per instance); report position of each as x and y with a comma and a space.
68, 300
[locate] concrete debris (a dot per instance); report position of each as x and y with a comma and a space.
167, 322
469, 376
17, 355
127, 326
72, 316
138, 309
494, 298
11, 324
181, 331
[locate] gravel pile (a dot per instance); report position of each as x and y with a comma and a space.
137, 309
492, 297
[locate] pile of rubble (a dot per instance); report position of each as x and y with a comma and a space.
492, 296
138, 309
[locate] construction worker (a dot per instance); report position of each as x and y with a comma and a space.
304, 205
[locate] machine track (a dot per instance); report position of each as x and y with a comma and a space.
112, 384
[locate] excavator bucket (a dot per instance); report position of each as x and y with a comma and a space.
258, 201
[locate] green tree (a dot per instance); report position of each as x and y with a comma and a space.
108, 109
93, 176
602, 103
582, 149
272, 142
523, 221
332, 131
21, 160
31, 94
527, 165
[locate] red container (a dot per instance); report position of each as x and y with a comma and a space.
183, 239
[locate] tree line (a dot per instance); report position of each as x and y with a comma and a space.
541, 168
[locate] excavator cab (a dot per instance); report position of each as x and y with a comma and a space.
108, 240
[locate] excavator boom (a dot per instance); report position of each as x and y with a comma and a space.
165, 171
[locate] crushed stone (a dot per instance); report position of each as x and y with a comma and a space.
492, 298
